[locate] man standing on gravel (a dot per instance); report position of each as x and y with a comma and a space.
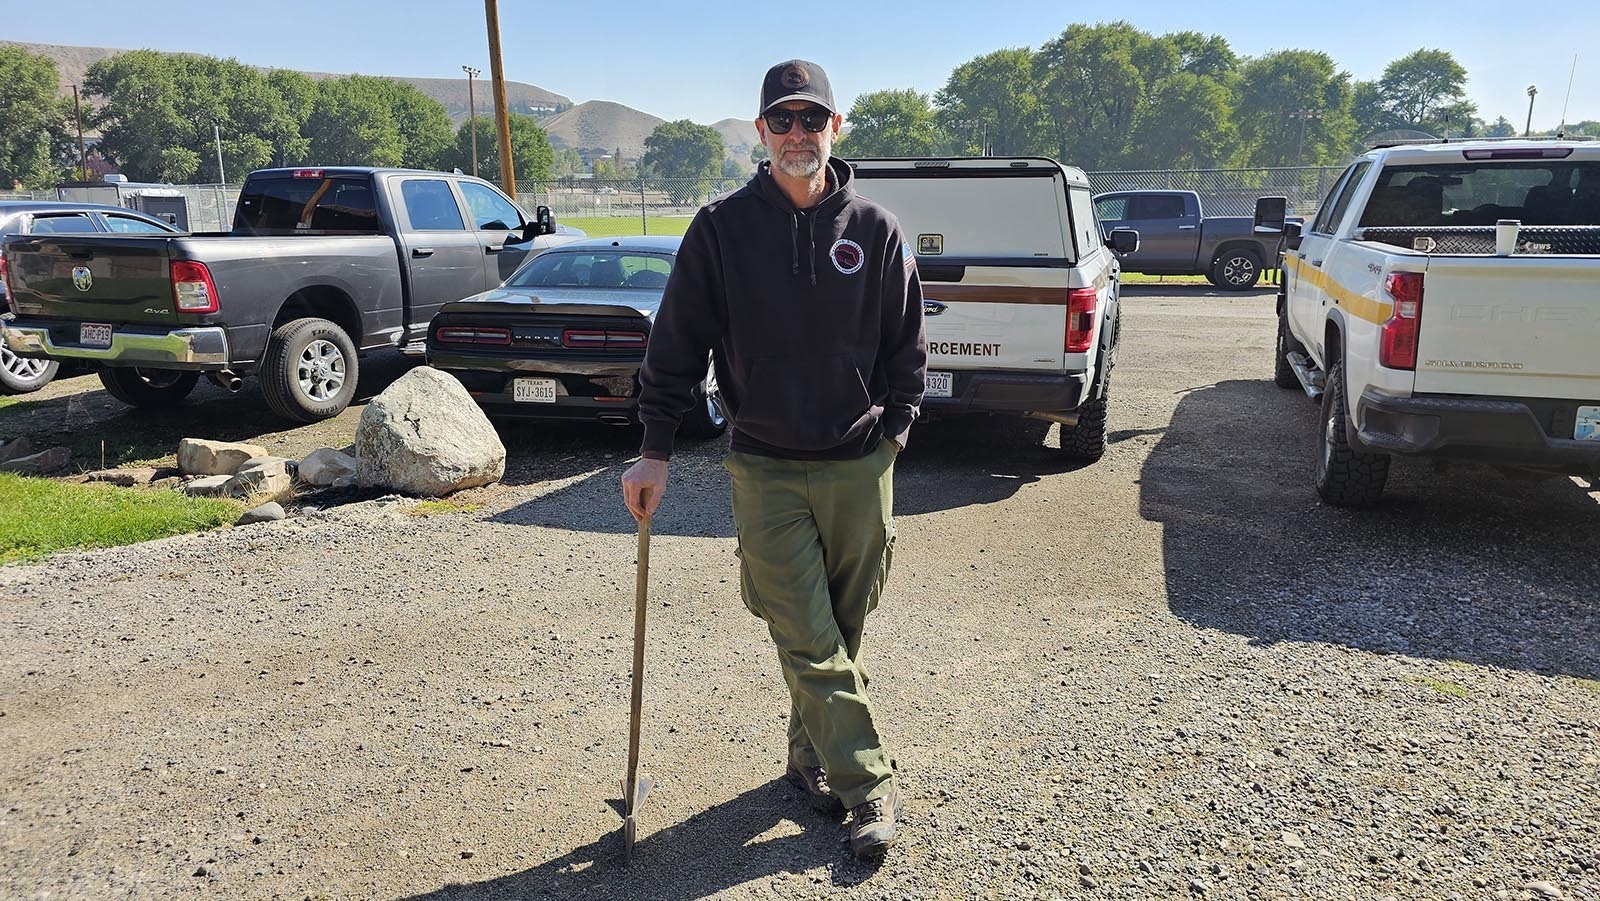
808, 295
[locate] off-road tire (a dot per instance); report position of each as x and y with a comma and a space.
152, 389
706, 419
1086, 441
22, 375
1236, 270
309, 370
1345, 477
1282, 373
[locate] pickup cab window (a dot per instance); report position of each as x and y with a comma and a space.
1545, 192
1156, 206
70, 224
127, 225
1112, 208
430, 206
286, 204
1338, 200
489, 209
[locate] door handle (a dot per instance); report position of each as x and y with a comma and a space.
422, 251
1299, 256
1316, 262
492, 248
1186, 228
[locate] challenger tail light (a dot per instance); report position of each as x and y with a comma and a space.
608, 339
1398, 342
1081, 304
192, 288
461, 334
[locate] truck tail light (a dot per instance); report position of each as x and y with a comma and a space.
468, 335
1081, 306
5, 283
1397, 348
192, 288
607, 339
306, 173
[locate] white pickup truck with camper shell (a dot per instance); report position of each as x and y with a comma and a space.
1020, 289
1446, 302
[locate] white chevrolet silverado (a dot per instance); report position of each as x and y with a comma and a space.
1446, 302
1020, 288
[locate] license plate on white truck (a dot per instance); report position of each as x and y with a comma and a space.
1588, 424
940, 384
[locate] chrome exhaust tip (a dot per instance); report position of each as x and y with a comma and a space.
226, 379
1062, 418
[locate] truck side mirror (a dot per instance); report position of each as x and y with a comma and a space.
1291, 235
546, 220
1271, 213
1124, 241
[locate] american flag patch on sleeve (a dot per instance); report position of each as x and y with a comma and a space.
907, 258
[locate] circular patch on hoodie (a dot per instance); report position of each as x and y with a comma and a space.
847, 256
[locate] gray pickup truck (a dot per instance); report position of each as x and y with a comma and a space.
321, 264
1177, 238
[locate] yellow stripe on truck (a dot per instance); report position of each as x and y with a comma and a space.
1376, 312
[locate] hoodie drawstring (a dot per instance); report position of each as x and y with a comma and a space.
811, 232
794, 236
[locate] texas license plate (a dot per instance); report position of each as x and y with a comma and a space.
534, 391
1588, 424
940, 384
94, 334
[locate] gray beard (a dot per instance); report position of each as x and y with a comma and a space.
799, 168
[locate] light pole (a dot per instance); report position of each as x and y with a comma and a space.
216, 135
1303, 116
472, 115
1528, 128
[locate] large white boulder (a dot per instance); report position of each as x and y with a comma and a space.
425, 436
199, 457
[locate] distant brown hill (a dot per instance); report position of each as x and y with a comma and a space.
73, 62
602, 125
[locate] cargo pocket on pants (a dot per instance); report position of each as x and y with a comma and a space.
884, 565
747, 588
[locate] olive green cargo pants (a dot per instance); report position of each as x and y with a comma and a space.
815, 544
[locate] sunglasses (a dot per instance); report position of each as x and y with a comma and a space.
814, 119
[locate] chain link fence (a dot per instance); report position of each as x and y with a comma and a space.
1224, 192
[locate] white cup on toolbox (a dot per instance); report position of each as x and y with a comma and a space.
1505, 236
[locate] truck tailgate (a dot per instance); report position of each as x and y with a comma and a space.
113, 279
1510, 327
993, 319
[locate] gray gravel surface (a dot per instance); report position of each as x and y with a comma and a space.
1172, 674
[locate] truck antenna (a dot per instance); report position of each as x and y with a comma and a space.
1563, 126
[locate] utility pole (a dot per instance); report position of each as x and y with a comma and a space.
508, 176
216, 134
1527, 130
1303, 116
83, 155
472, 115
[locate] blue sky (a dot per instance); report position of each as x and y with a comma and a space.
704, 61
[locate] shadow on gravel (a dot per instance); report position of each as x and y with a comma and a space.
1174, 289
952, 463
1463, 564
726, 846
81, 419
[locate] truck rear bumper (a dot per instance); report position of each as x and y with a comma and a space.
156, 348
1507, 431
985, 391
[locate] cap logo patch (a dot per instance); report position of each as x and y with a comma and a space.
847, 256
794, 78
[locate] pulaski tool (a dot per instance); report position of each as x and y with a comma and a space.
635, 787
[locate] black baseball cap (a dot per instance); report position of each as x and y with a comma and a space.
796, 79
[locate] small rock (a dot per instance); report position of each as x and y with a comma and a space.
1198, 886
271, 511
1087, 881
43, 463
263, 477
1293, 840
325, 466
126, 478
468, 854
210, 486
197, 456
1545, 889
201, 871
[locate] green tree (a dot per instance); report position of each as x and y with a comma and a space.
1502, 128
1368, 112
1426, 90
565, 163
299, 93
353, 124
1094, 81
990, 103
758, 153
141, 118
891, 123
531, 153
423, 123
1185, 124
1284, 92
33, 119
1204, 54
685, 152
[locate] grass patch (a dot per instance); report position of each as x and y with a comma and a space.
1439, 685
1140, 278
1590, 684
617, 226
39, 517
7, 400
437, 507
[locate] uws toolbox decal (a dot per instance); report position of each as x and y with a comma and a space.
847, 256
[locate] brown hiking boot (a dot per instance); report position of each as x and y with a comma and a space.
813, 780
873, 824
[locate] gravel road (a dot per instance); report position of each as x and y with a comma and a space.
1172, 674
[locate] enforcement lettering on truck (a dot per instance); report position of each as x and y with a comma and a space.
963, 349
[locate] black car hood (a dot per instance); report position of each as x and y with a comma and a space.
602, 300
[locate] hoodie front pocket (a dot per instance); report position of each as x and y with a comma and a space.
804, 404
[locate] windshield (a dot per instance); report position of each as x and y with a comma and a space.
594, 269
1543, 192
